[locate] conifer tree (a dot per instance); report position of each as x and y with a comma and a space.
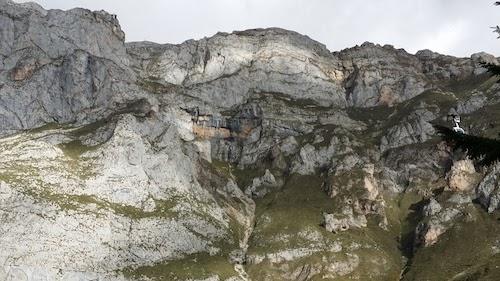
483, 150
493, 68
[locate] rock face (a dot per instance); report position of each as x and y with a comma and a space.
223, 70
462, 176
254, 155
415, 128
343, 222
60, 67
262, 185
94, 206
381, 75
488, 190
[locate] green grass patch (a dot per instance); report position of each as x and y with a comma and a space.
156, 86
80, 202
196, 266
46, 127
298, 208
464, 252
462, 88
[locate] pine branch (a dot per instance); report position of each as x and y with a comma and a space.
484, 150
494, 69
496, 29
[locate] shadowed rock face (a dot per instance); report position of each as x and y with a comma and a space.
254, 155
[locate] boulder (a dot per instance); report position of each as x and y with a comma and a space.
463, 176
344, 220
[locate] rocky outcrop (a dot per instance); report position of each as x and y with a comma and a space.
95, 206
381, 75
312, 157
225, 68
476, 101
438, 218
344, 221
415, 128
440, 67
488, 191
262, 185
254, 155
62, 67
463, 176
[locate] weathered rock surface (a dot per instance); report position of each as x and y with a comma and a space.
415, 128
254, 155
225, 68
488, 191
61, 67
463, 176
93, 205
262, 185
336, 223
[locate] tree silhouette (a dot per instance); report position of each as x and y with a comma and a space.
483, 150
493, 68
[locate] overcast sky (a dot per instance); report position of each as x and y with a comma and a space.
459, 27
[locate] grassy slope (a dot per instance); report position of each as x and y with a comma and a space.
297, 208
464, 252
196, 266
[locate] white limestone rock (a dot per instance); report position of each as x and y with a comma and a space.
463, 176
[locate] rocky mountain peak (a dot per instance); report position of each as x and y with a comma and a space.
251, 155
55, 33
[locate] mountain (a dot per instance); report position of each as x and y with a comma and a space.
252, 155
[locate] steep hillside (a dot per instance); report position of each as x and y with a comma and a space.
255, 155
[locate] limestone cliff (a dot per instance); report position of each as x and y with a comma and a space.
254, 155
